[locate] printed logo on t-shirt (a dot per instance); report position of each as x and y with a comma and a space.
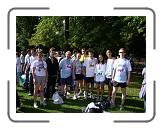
40, 66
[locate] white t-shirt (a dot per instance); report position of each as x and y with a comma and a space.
90, 67
109, 68
31, 60
100, 70
27, 58
40, 67
18, 64
144, 75
121, 67
77, 67
22, 58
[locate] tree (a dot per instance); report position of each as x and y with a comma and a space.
96, 32
24, 29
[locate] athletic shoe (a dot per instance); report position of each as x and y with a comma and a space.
78, 96
67, 97
112, 105
43, 103
97, 99
84, 94
85, 98
35, 105
74, 98
67, 93
80, 92
121, 107
29, 94
92, 96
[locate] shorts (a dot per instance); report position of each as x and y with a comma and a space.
108, 81
66, 81
89, 79
78, 77
100, 83
40, 80
122, 85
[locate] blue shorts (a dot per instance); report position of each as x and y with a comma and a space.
66, 81
122, 85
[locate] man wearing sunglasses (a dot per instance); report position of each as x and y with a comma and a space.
121, 77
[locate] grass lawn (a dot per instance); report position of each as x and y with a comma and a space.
132, 105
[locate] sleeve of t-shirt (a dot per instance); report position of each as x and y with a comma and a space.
115, 63
129, 66
105, 65
45, 64
85, 63
60, 64
95, 69
34, 64
143, 71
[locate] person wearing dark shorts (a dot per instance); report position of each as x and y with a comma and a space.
77, 76
121, 77
66, 70
109, 71
89, 73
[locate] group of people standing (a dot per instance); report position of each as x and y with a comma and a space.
79, 71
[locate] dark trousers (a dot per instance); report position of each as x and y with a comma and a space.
31, 85
26, 84
17, 100
50, 88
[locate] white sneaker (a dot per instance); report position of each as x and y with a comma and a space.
74, 98
80, 92
121, 107
92, 97
78, 96
67, 93
67, 97
84, 94
86, 97
35, 105
43, 103
29, 94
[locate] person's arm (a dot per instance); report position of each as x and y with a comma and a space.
73, 70
129, 75
129, 68
84, 68
113, 71
33, 73
46, 75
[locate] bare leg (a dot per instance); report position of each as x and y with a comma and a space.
113, 96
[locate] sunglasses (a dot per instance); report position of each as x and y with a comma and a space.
121, 52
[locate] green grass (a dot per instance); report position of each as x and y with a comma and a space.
132, 105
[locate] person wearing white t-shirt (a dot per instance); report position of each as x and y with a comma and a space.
100, 70
88, 71
26, 71
66, 70
121, 77
30, 61
108, 73
18, 68
77, 75
40, 78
